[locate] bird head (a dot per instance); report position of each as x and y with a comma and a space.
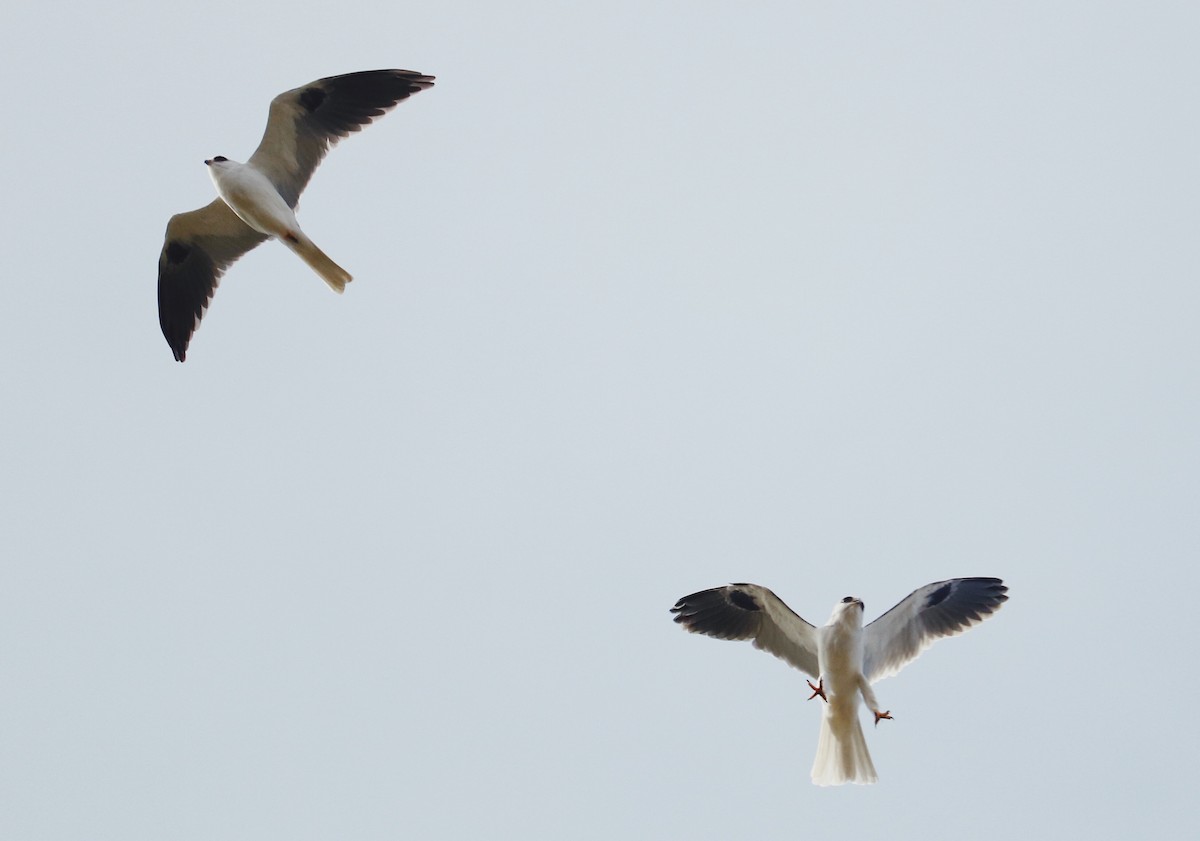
217, 161
848, 611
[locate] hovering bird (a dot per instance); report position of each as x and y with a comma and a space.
843, 656
258, 198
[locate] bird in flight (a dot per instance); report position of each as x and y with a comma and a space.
257, 199
844, 657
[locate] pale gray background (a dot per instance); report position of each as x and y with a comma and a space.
837, 298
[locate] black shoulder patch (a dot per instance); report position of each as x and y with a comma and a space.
939, 595
743, 600
312, 98
176, 252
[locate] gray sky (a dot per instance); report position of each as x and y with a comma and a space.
649, 297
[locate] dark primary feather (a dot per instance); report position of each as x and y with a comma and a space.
723, 613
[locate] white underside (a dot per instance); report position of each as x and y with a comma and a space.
254, 199
842, 755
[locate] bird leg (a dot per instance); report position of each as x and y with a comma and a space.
871, 701
819, 689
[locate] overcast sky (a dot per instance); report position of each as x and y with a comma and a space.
841, 299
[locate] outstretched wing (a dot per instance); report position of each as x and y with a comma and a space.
751, 612
305, 122
937, 610
200, 245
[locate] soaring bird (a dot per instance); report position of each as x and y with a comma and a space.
257, 199
843, 656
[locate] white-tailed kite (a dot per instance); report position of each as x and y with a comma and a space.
843, 656
258, 198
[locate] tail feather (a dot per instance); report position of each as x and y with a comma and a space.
842, 755
318, 260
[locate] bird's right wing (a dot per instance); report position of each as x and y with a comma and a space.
751, 612
305, 122
200, 245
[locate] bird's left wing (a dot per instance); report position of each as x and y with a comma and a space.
751, 612
200, 245
937, 610
305, 122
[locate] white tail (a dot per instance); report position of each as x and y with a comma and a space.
842, 755
330, 272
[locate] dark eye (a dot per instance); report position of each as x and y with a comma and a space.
220, 158
848, 599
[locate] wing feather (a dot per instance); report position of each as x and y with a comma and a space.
200, 245
305, 122
940, 609
751, 612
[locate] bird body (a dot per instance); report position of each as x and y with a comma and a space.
251, 195
842, 754
846, 657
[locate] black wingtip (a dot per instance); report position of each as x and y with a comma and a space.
975, 599
344, 104
720, 612
182, 300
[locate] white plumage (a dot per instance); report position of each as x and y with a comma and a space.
256, 201
844, 656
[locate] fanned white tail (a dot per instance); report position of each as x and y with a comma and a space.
842, 755
330, 272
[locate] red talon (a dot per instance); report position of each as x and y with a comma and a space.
819, 689
883, 715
